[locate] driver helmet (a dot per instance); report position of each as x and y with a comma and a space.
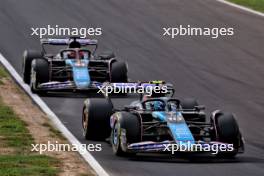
155, 106
158, 106
71, 55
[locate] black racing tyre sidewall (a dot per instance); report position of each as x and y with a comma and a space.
28, 57
99, 112
118, 72
189, 103
228, 132
39, 74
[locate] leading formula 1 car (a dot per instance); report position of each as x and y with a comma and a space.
152, 123
73, 68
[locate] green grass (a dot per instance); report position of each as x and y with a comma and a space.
253, 4
20, 165
3, 74
13, 130
14, 134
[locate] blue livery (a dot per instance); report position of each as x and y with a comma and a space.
80, 71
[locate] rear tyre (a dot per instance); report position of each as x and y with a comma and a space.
126, 130
118, 72
39, 74
96, 119
228, 132
189, 103
28, 57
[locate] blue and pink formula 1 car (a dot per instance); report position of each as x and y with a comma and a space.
162, 124
75, 67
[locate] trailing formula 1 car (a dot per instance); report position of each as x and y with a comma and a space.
158, 123
73, 68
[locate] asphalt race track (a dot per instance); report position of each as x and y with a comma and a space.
226, 73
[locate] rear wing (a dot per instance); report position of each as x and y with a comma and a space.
83, 42
67, 41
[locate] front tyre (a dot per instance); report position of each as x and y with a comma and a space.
96, 118
126, 130
39, 74
28, 57
228, 132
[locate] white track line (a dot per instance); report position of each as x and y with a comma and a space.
241, 7
86, 155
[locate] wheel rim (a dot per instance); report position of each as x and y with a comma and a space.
85, 121
115, 135
33, 79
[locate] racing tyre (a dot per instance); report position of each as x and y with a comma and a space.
96, 118
39, 74
28, 57
228, 132
118, 72
126, 130
189, 104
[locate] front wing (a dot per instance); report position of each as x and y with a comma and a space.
65, 86
170, 147
94, 85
